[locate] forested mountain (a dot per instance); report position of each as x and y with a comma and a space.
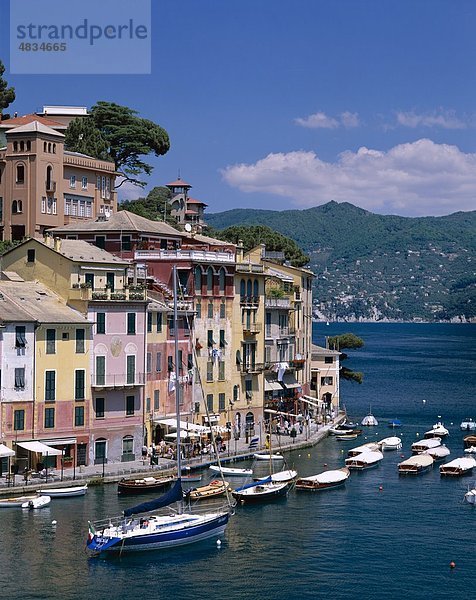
371, 266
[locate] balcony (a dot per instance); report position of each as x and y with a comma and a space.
297, 364
131, 294
283, 303
203, 256
249, 300
252, 328
108, 381
50, 186
252, 367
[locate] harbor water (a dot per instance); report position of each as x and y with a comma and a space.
379, 536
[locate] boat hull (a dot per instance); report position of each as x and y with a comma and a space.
64, 492
470, 497
261, 493
131, 488
412, 470
231, 472
15, 502
318, 487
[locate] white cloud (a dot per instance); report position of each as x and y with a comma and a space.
445, 119
129, 191
320, 120
419, 178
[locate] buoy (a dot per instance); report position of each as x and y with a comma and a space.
309, 456
380, 488
218, 543
452, 564
325, 464
402, 455
53, 522
417, 434
424, 401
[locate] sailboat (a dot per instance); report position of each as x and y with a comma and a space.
153, 531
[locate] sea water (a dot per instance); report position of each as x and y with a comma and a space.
380, 536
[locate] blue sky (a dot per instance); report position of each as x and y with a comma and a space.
280, 104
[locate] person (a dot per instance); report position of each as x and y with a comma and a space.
267, 442
286, 427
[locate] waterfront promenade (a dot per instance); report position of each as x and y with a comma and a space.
237, 450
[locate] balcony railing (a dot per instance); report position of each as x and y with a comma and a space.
297, 363
249, 300
252, 328
188, 255
278, 303
117, 381
127, 294
252, 367
50, 186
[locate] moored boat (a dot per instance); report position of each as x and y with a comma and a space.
276, 456
415, 464
438, 453
323, 481
437, 431
470, 496
363, 461
422, 445
65, 492
214, 489
390, 443
469, 441
16, 501
231, 471
263, 490
468, 425
369, 421
370, 446
144, 485
393, 423
458, 467
37, 502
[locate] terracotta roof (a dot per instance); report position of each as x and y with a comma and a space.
81, 251
178, 183
195, 201
18, 121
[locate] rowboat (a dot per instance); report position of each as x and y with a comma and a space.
66, 492
15, 501
365, 460
415, 464
268, 456
144, 485
347, 437
458, 467
232, 472
212, 490
390, 443
323, 481
422, 445
37, 502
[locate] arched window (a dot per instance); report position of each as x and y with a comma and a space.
45, 146
54, 148
28, 146
22, 146
15, 146
255, 289
210, 280
20, 174
221, 280
198, 280
49, 173
242, 288
249, 288
14, 207
49, 147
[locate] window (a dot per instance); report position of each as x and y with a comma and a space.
79, 416
210, 341
43, 205
328, 360
49, 418
126, 243
65, 336
19, 420
221, 281
50, 341
101, 322
221, 370
210, 402
222, 338
110, 281
100, 370
50, 386
156, 399
198, 309
158, 362
170, 364
210, 370
327, 380
198, 280
149, 321
17, 207
130, 405
79, 380
20, 378
256, 290
30, 255
210, 310
248, 389
221, 401
100, 405
190, 361
131, 323
79, 341
22, 146
147, 404
131, 369
242, 289
84, 183
159, 322
89, 280
100, 241
15, 146
20, 174
28, 146
149, 362
210, 280
236, 393
72, 181
222, 310
128, 445
20, 339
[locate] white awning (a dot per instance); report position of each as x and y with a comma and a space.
183, 434
40, 448
59, 442
290, 381
272, 384
6, 451
279, 412
312, 401
183, 425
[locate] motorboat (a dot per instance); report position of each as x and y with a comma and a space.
342, 428
393, 423
415, 465
369, 421
345, 438
437, 431
390, 443
468, 425
231, 472
16, 501
214, 489
276, 456
264, 490
422, 445
458, 467
438, 453
324, 481
144, 485
469, 441
65, 492
363, 461
470, 496
37, 502
370, 446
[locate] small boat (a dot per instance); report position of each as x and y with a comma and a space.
468, 425
438, 453
212, 490
470, 496
458, 467
145, 485
280, 476
15, 501
232, 472
347, 437
470, 450
263, 490
66, 492
37, 502
422, 445
363, 461
390, 443
415, 464
369, 420
191, 478
395, 423
469, 441
342, 428
268, 456
370, 446
437, 431
323, 481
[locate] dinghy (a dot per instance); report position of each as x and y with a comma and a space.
323, 481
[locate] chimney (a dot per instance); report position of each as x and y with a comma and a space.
57, 245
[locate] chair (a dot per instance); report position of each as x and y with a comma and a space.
253, 443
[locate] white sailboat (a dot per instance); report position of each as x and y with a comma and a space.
153, 531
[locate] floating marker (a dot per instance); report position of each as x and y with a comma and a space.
380, 488
452, 564
417, 434
309, 456
53, 522
218, 543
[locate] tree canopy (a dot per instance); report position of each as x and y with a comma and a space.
344, 341
252, 235
7, 94
128, 138
154, 206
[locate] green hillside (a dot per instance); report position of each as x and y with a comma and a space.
373, 266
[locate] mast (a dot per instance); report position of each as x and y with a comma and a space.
177, 384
